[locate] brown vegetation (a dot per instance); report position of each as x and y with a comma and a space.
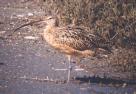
104, 17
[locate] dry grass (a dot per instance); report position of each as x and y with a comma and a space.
103, 17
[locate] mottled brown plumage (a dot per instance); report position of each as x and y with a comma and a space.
72, 40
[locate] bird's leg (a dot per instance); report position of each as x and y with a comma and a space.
69, 67
78, 60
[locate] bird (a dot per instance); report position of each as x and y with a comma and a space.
72, 40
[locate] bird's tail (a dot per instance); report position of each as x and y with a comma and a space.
100, 42
107, 45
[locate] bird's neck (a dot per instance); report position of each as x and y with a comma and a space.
50, 28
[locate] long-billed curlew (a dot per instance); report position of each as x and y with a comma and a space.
72, 40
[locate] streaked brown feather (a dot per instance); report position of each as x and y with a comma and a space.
72, 39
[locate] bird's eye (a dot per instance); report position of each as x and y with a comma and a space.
49, 18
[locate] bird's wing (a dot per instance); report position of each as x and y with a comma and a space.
75, 37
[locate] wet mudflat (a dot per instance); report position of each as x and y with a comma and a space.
28, 65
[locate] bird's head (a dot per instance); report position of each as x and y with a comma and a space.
52, 20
